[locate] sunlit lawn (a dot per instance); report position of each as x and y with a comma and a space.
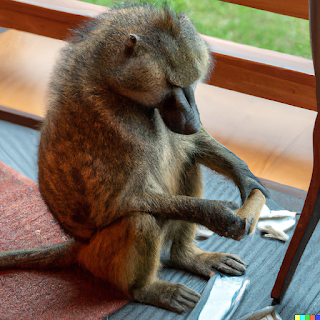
243, 25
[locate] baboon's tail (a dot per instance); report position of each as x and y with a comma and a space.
58, 256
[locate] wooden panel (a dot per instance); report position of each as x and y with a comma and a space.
246, 69
48, 18
293, 8
276, 186
263, 73
264, 81
22, 118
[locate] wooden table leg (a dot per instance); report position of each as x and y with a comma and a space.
311, 211
309, 218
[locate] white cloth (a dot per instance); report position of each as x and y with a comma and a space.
226, 293
275, 223
272, 224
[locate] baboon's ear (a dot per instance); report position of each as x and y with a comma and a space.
131, 43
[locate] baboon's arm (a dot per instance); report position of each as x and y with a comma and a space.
217, 157
214, 214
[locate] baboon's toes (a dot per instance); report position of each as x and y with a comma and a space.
232, 265
171, 296
226, 263
182, 298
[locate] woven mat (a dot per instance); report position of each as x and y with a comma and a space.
28, 294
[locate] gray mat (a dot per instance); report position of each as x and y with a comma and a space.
18, 148
264, 258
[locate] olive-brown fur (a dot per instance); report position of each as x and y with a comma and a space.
119, 157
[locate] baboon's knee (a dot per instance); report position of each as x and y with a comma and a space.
125, 253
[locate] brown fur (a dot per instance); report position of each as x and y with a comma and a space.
119, 158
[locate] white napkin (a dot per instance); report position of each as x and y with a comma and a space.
220, 298
226, 292
272, 224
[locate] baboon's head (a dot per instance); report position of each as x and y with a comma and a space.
152, 56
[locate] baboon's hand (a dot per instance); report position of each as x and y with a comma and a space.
251, 184
230, 226
209, 263
232, 205
237, 224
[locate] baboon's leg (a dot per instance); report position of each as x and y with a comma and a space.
126, 254
216, 157
185, 254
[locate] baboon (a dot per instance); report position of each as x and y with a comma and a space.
119, 158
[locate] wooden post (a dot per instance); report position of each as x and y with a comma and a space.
311, 211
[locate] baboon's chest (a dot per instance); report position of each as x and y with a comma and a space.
167, 157
173, 160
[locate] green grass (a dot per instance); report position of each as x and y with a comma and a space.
243, 25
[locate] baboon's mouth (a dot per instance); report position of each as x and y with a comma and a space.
180, 113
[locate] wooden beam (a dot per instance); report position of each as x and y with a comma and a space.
293, 8
263, 73
22, 118
48, 18
279, 187
264, 81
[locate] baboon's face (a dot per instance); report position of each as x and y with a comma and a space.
159, 60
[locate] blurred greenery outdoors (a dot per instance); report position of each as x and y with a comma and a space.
241, 24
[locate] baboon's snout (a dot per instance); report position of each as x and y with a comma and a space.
180, 112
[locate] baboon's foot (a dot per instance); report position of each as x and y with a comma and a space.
171, 296
207, 264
